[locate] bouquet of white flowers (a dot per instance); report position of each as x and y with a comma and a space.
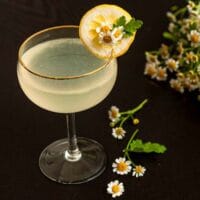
179, 60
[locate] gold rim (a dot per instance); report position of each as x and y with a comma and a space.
56, 77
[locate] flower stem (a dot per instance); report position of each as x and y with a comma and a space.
126, 152
130, 113
123, 120
134, 110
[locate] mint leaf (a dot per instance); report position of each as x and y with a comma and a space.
120, 21
132, 26
148, 147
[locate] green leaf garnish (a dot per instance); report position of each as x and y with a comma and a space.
140, 147
129, 27
120, 21
133, 25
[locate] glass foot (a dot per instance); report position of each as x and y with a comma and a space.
55, 166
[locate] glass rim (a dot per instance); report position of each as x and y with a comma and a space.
20, 54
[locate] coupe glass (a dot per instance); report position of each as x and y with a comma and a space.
57, 73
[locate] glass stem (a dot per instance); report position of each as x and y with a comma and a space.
72, 153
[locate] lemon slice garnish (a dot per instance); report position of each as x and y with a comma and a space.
100, 36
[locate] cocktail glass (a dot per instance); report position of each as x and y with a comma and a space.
57, 73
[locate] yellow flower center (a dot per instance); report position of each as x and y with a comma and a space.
122, 166
119, 131
195, 38
105, 29
139, 169
172, 65
161, 73
151, 70
115, 188
114, 114
107, 39
117, 33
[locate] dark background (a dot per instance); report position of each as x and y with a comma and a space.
169, 118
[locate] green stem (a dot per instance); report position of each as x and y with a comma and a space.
133, 111
132, 137
180, 11
126, 152
123, 120
139, 107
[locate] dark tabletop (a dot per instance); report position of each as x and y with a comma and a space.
169, 118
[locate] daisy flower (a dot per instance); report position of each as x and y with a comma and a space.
121, 166
117, 34
177, 85
114, 113
161, 74
151, 70
152, 58
172, 64
118, 133
194, 37
115, 188
191, 82
138, 171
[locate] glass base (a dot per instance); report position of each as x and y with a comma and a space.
55, 166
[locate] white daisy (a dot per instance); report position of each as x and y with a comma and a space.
191, 82
177, 85
150, 70
138, 171
172, 64
194, 37
117, 34
118, 133
114, 113
152, 58
161, 74
115, 188
121, 166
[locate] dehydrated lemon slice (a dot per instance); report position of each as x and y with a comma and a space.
100, 34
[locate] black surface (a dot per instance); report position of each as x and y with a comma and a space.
169, 118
